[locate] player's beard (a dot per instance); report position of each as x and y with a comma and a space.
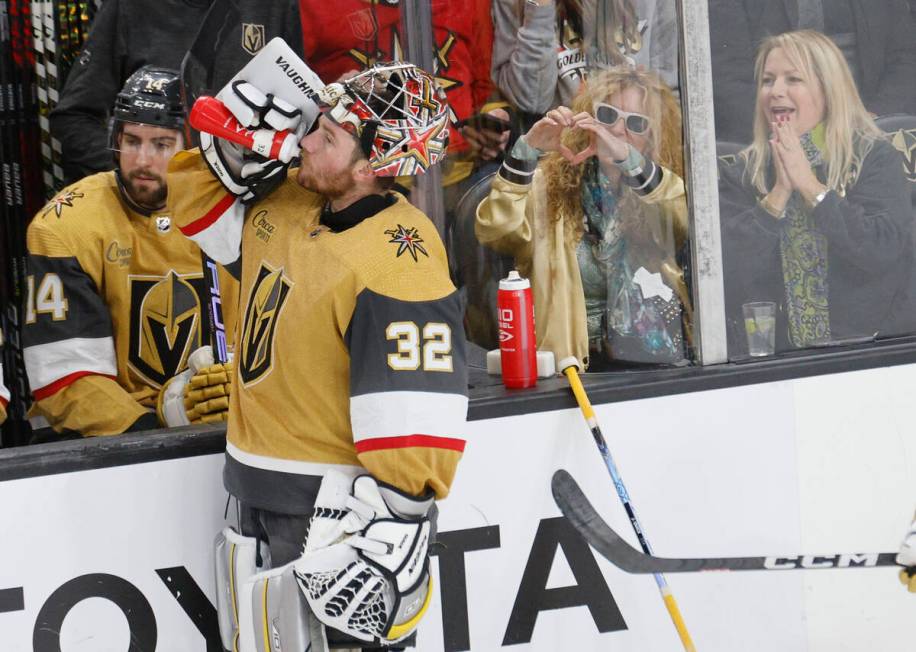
153, 198
327, 185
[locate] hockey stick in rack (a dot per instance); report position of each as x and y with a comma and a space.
600, 536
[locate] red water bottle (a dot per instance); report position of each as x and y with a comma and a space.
210, 115
518, 350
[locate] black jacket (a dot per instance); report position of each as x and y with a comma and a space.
886, 41
127, 34
869, 251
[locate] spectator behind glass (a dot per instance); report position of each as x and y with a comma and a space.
816, 213
543, 49
598, 224
349, 35
877, 38
128, 34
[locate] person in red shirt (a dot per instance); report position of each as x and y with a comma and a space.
347, 35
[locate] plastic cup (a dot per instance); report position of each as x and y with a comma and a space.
760, 325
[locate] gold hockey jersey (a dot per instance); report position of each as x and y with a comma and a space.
350, 345
116, 303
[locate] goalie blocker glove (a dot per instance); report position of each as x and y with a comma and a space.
365, 570
245, 174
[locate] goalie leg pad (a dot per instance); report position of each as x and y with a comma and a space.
236, 562
276, 616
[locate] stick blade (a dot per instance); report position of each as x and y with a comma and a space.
600, 536
581, 513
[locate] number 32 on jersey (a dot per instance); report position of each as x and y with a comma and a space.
429, 346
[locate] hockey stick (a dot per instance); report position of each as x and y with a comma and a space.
14, 223
196, 79
590, 418
215, 312
600, 536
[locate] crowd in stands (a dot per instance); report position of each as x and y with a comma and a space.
581, 162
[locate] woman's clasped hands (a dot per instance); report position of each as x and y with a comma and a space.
793, 169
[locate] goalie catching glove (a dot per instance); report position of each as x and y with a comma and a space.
907, 558
199, 394
365, 570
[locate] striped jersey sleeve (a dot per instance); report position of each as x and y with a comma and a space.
203, 209
68, 343
408, 389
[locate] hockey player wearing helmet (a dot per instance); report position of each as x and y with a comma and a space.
147, 128
115, 299
350, 392
143, 157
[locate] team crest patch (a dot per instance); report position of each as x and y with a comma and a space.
265, 303
905, 141
65, 199
407, 239
363, 24
166, 323
252, 37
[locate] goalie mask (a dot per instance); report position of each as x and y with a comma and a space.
397, 112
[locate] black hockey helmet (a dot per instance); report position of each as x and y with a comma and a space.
151, 96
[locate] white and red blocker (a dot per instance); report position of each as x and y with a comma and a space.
517, 345
211, 115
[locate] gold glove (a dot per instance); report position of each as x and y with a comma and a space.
206, 396
199, 394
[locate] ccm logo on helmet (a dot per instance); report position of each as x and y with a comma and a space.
146, 104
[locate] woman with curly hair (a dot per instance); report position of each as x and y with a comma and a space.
599, 223
816, 214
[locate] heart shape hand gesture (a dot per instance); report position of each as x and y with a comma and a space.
546, 134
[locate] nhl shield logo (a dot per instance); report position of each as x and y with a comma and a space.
163, 224
268, 295
252, 37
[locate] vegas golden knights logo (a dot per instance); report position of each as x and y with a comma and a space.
905, 141
165, 323
261, 314
252, 37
